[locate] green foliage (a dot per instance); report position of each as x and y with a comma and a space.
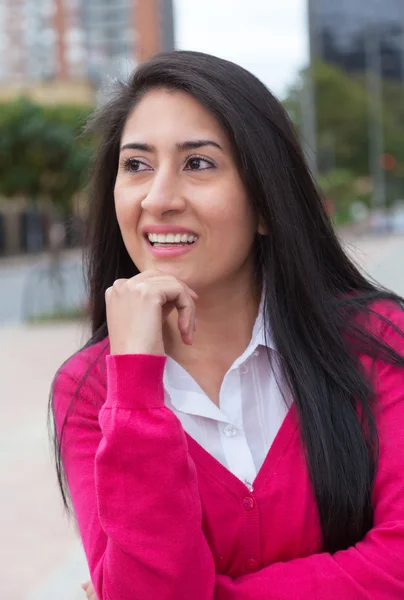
342, 188
341, 111
41, 152
73, 314
342, 115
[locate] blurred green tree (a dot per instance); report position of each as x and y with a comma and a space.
342, 122
341, 118
42, 154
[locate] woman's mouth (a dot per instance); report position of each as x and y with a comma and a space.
171, 240
170, 244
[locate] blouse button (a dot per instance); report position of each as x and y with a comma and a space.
248, 503
230, 431
252, 564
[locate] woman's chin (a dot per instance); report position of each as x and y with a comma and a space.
182, 272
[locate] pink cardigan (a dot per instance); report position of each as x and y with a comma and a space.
161, 519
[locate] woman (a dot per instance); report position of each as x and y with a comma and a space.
233, 429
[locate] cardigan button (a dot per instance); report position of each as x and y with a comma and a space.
252, 564
248, 503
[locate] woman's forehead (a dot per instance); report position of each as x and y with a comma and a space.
163, 114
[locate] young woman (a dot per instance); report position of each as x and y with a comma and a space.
234, 428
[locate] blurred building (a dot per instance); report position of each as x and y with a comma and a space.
343, 31
54, 41
63, 51
122, 33
366, 37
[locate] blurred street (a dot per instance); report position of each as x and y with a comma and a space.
28, 286
40, 556
381, 257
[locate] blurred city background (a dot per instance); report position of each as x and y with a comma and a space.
338, 67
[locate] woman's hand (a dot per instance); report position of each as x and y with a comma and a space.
137, 308
89, 590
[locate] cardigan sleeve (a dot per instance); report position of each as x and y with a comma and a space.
374, 568
137, 507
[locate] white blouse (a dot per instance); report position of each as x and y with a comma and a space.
253, 404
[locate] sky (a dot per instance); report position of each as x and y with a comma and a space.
267, 37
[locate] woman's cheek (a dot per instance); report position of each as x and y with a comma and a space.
126, 206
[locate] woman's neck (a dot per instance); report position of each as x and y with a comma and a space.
225, 319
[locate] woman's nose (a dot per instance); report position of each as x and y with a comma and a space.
163, 196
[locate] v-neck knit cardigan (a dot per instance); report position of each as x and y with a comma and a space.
161, 519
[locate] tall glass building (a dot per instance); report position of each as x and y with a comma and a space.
341, 31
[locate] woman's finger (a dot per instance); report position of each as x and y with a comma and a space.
176, 293
138, 307
89, 590
156, 276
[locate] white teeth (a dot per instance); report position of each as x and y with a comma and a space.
153, 237
171, 238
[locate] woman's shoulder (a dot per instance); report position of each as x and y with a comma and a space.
386, 320
87, 362
377, 333
82, 375
385, 359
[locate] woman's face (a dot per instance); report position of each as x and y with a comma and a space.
177, 179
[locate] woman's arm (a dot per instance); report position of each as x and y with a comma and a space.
133, 485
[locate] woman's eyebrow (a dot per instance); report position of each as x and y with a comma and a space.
195, 144
188, 145
138, 146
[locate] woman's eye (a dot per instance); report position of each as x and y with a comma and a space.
197, 163
135, 166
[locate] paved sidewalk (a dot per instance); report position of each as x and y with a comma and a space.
40, 554
381, 257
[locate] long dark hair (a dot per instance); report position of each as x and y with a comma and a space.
313, 290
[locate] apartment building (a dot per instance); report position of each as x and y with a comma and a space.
45, 40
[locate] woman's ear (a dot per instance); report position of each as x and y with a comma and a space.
262, 230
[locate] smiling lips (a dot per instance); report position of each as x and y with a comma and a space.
170, 243
171, 239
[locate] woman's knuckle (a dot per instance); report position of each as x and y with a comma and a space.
119, 285
138, 287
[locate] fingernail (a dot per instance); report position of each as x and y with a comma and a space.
195, 324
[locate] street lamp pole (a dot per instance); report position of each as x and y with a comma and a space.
375, 104
308, 98
308, 119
